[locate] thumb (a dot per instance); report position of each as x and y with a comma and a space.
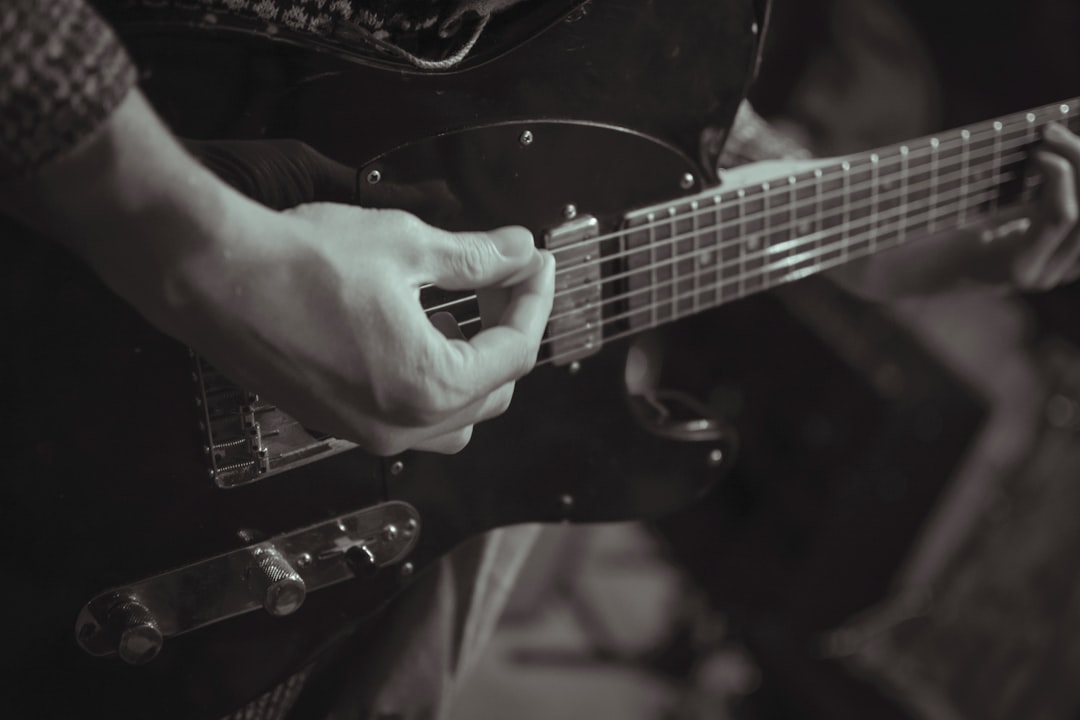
470, 260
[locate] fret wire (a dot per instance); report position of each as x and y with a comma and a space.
986, 158
816, 237
742, 218
995, 163
740, 210
933, 181
652, 263
874, 191
845, 212
966, 165
794, 275
696, 259
815, 251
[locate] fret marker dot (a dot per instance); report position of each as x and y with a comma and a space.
904, 150
752, 242
965, 134
1031, 117
934, 142
765, 186
1064, 109
998, 126
705, 258
874, 158
845, 165
741, 193
804, 227
791, 180
817, 173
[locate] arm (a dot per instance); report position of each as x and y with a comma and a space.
316, 307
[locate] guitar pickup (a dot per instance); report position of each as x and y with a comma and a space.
574, 330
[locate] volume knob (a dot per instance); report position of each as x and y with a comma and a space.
135, 631
277, 584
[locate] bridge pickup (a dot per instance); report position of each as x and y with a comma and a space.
575, 328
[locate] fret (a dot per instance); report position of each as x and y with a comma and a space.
862, 223
888, 198
779, 230
995, 165
1031, 137
753, 236
681, 221
730, 248
833, 203
904, 205
919, 197
948, 184
875, 183
709, 257
695, 254
931, 219
845, 216
640, 285
965, 170
663, 272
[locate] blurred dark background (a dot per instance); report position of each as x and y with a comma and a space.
898, 538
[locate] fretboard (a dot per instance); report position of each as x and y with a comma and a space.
729, 242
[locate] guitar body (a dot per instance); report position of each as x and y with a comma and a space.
106, 480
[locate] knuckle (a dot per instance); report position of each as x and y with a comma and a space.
471, 258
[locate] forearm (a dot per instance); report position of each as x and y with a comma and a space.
140, 210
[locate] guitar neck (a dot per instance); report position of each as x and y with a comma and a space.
723, 244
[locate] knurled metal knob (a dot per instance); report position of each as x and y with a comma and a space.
135, 630
276, 583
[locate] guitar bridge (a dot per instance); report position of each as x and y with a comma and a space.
574, 330
247, 438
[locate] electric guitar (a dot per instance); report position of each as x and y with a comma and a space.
179, 545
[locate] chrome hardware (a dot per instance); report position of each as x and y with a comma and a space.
570, 211
277, 574
574, 331
373, 177
407, 570
274, 579
716, 457
686, 181
397, 467
246, 438
526, 138
131, 629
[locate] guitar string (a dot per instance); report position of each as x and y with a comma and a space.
717, 288
792, 244
576, 352
1000, 146
906, 188
843, 245
780, 185
1004, 140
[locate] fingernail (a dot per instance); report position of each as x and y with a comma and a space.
516, 243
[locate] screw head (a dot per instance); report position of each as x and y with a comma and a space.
575, 367
716, 457
397, 467
686, 181
570, 211
407, 569
526, 138
373, 177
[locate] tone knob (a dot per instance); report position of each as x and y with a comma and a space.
135, 630
277, 584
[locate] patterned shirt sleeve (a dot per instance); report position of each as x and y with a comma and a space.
62, 71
